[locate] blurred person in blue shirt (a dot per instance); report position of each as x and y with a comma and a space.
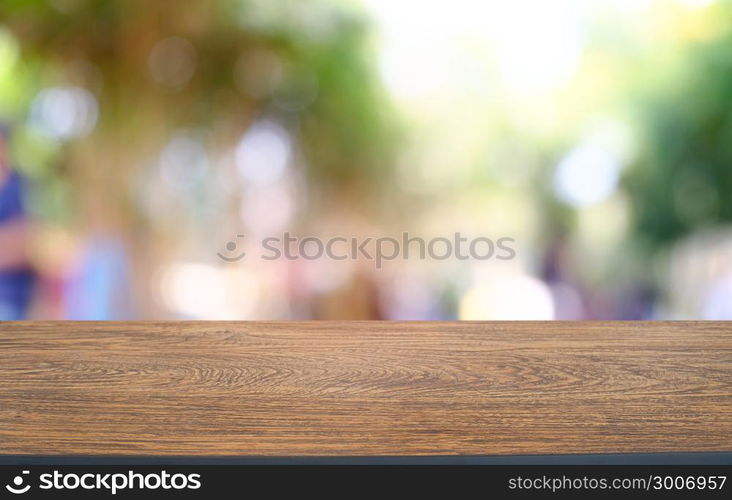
16, 276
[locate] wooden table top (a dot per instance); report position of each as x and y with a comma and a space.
364, 388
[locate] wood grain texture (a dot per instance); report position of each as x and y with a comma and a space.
364, 388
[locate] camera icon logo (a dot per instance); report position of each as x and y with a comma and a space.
17, 484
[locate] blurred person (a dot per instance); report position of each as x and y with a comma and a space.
16, 277
98, 282
98, 288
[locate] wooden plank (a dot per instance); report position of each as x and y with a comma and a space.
364, 388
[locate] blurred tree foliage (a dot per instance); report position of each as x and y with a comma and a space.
306, 63
683, 177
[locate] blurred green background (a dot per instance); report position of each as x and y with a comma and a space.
142, 137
